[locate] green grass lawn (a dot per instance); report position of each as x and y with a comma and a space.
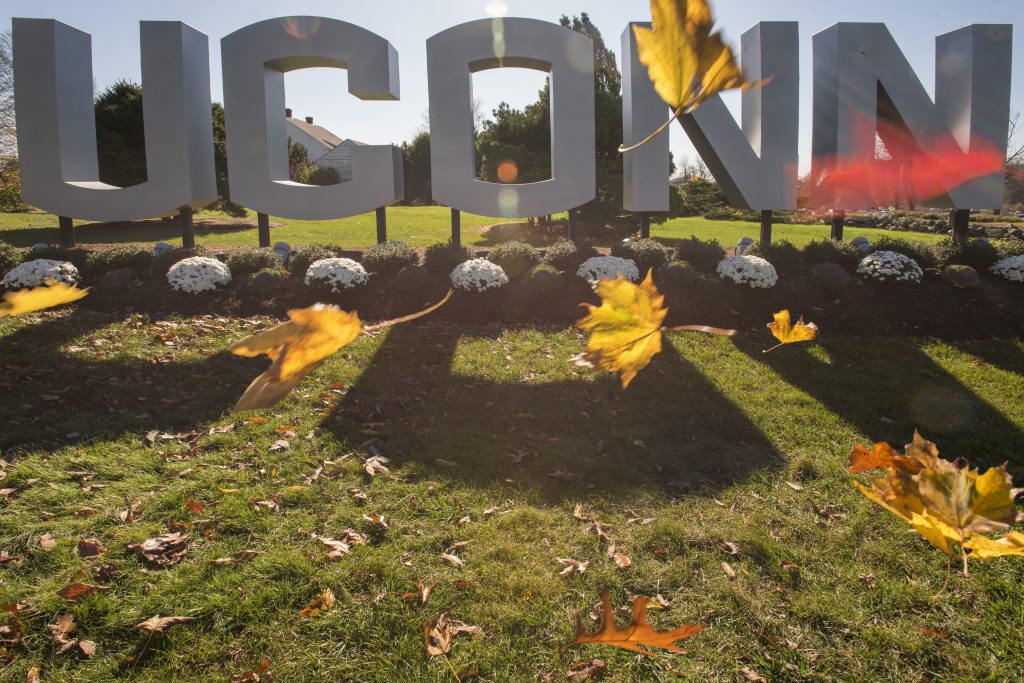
417, 226
494, 438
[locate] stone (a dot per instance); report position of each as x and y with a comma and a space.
744, 244
961, 276
40, 246
411, 278
831, 276
283, 251
995, 233
119, 279
161, 248
863, 244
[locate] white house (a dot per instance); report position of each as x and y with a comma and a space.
324, 147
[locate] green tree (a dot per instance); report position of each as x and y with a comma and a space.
416, 167
120, 135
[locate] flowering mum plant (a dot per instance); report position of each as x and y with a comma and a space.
608, 268
1011, 268
36, 273
748, 270
890, 266
478, 275
198, 274
337, 273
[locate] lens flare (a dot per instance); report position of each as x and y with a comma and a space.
498, 31
508, 172
508, 202
301, 27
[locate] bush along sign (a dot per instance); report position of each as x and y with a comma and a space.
755, 160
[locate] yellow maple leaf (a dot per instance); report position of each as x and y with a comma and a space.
300, 346
38, 298
625, 330
786, 332
686, 62
637, 633
945, 503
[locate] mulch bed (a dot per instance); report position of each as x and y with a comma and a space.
933, 308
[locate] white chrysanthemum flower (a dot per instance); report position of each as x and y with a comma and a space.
1011, 268
36, 273
890, 266
478, 275
608, 268
337, 273
753, 271
198, 274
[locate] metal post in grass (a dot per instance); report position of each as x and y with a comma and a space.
263, 226
766, 227
67, 231
188, 233
959, 223
838, 218
645, 224
572, 225
382, 225
456, 227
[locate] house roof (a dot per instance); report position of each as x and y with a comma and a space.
318, 133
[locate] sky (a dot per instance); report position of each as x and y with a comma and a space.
406, 24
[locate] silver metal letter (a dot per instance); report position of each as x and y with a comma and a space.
756, 166
53, 89
859, 70
453, 56
255, 60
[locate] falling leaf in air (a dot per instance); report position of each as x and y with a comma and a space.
625, 330
38, 298
321, 604
159, 624
788, 333
686, 62
945, 503
300, 346
438, 634
637, 633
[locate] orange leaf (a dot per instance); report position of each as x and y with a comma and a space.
637, 633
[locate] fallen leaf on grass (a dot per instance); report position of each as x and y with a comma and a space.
752, 676
375, 465
38, 298
637, 633
583, 671
622, 561
74, 591
438, 634
163, 551
32, 676
90, 547
194, 506
237, 558
729, 571
321, 604
794, 486
452, 560
158, 624
254, 675
572, 566
374, 518
340, 548
788, 333
46, 542
423, 592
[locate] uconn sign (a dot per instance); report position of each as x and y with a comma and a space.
860, 74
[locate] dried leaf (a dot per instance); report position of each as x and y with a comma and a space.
375, 465
625, 330
572, 566
163, 551
238, 558
687, 63
74, 591
158, 624
787, 333
46, 542
90, 547
945, 503
452, 560
32, 676
38, 298
438, 634
321, 604
622, 561
254, 675
374, 518
584, 671
751, 675
729, 571
422, 593
881, 456
637, 633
